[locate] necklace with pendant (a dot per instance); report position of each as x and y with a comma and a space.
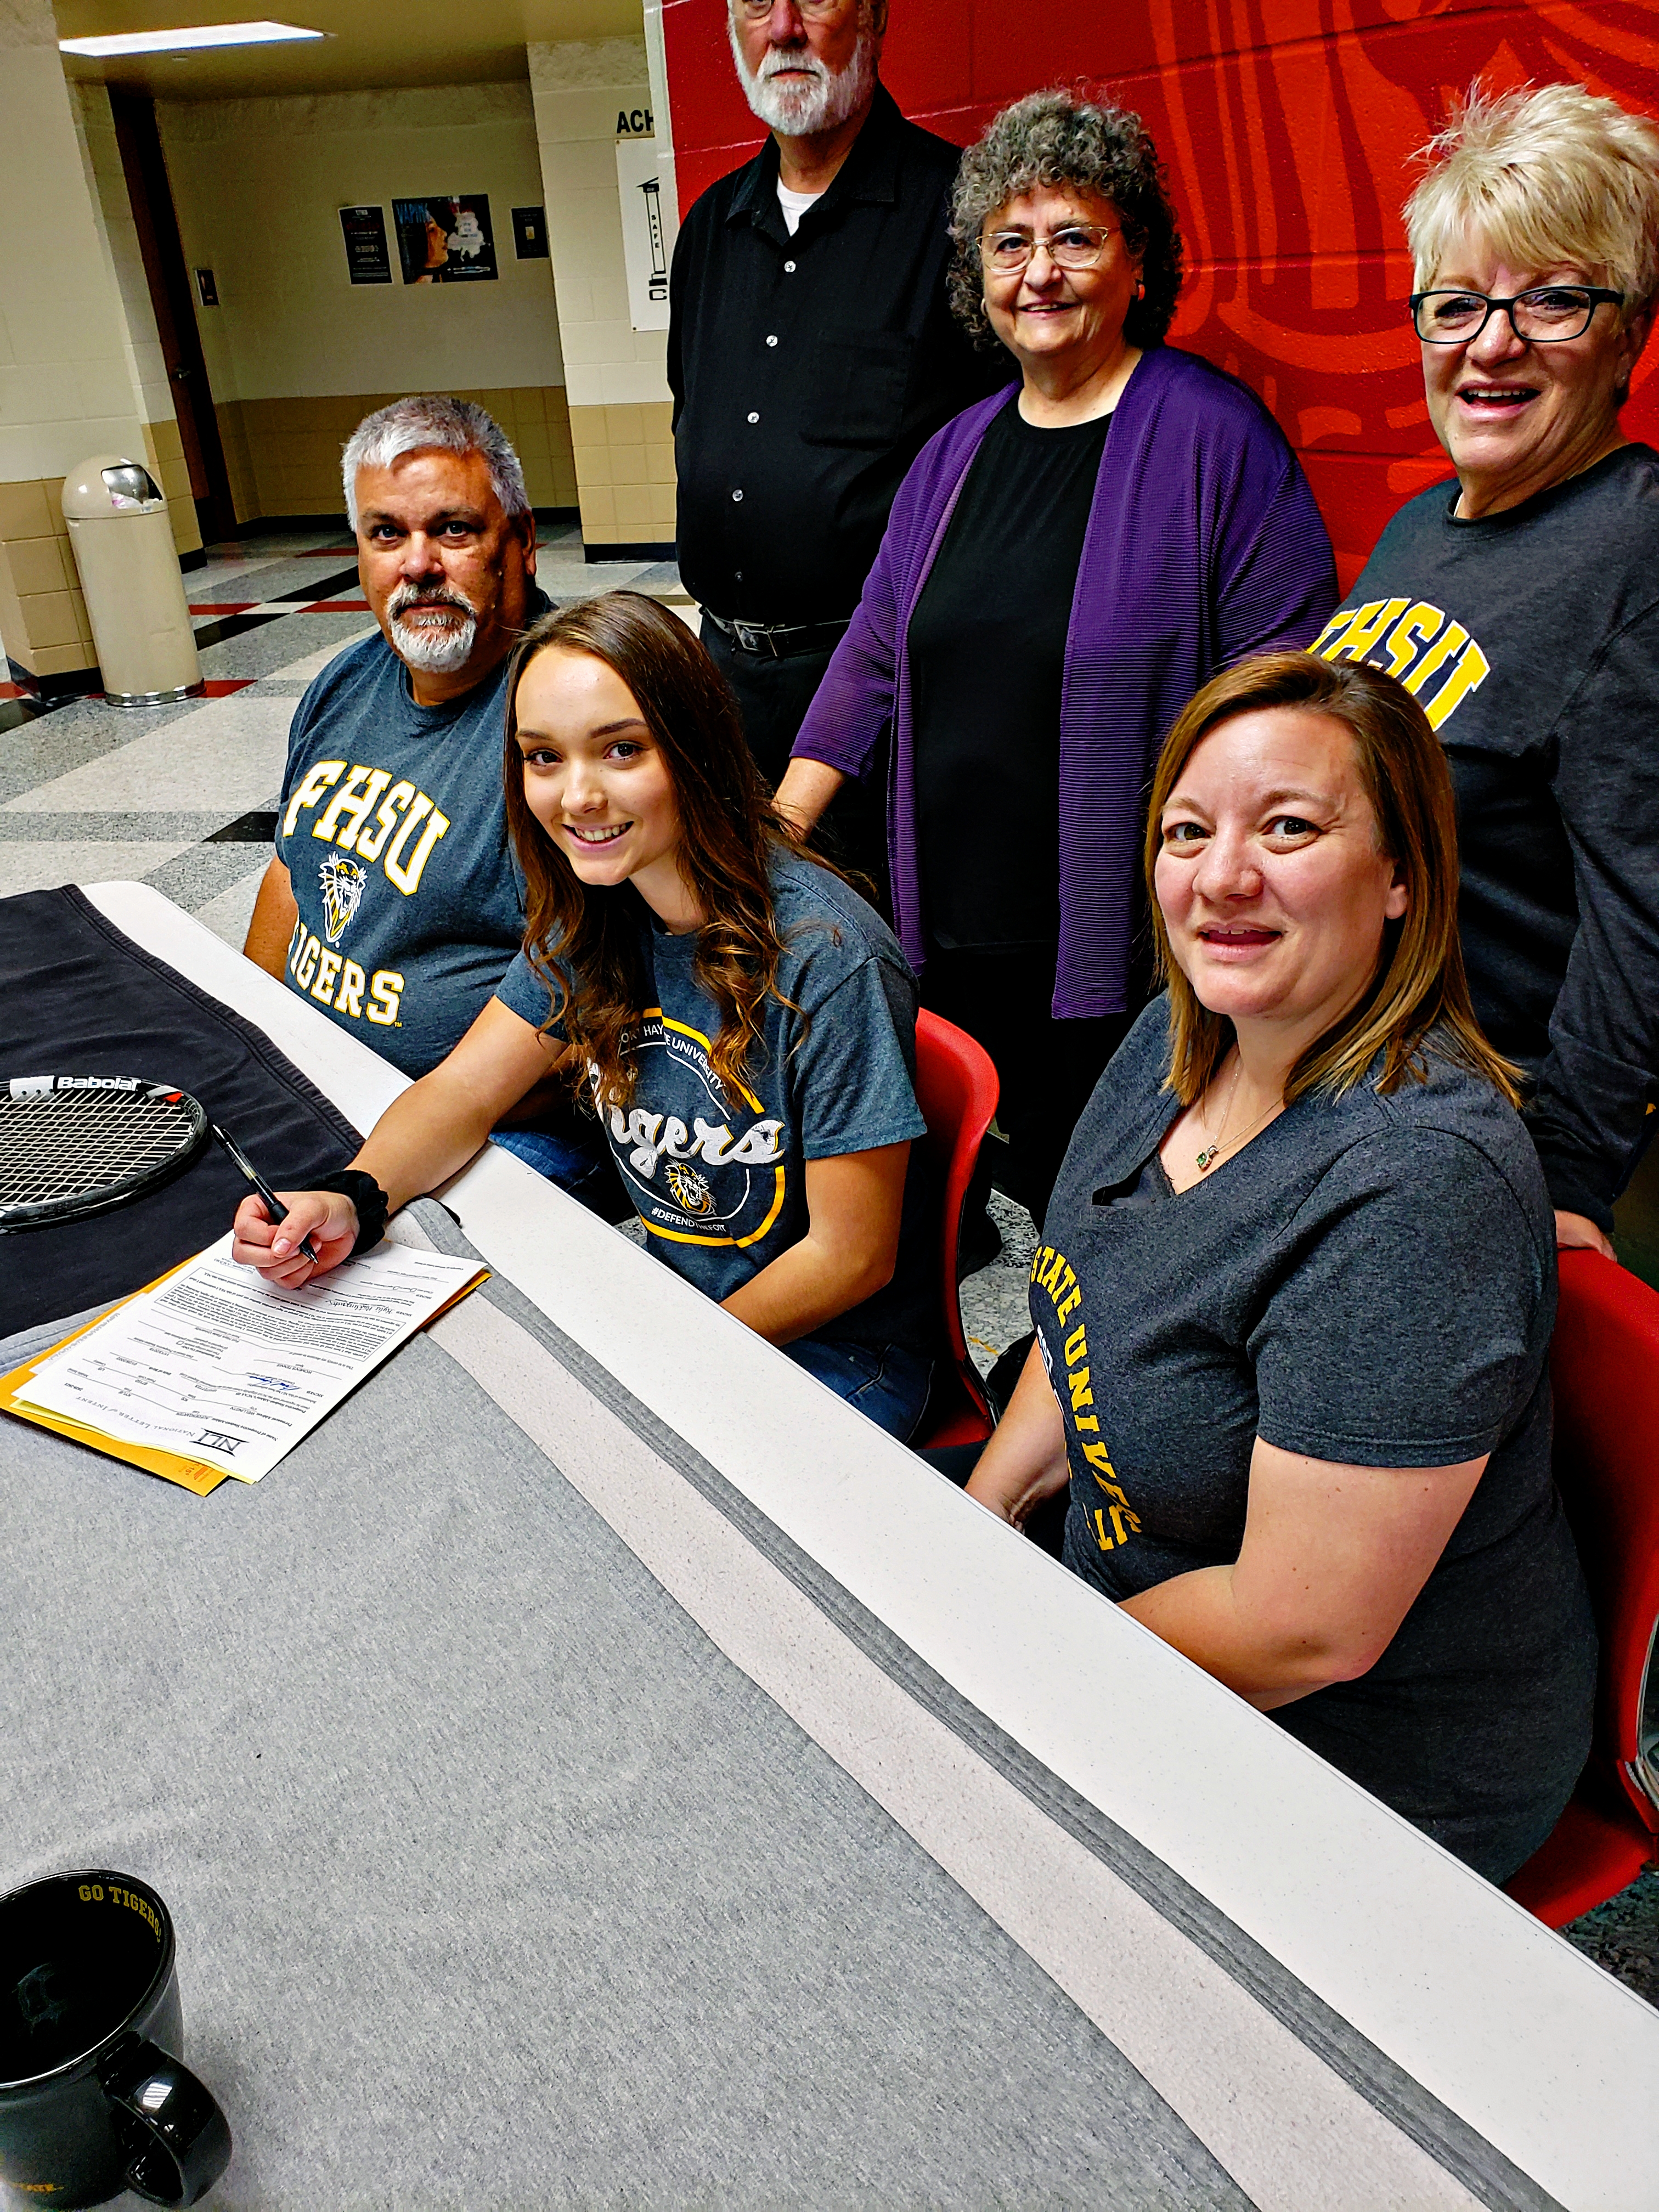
1207, 1159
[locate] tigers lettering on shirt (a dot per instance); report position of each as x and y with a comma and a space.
354, 795
336, 981
718, 1201
1113, 1517
1415, 643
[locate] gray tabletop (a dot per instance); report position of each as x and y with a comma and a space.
495, 1882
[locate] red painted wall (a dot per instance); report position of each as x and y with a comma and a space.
1286, 126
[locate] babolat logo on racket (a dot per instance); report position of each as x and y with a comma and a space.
75, 1145
43, 1086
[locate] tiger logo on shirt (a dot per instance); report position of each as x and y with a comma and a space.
342, 883
688, 1190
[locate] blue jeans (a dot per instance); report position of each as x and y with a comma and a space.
889, 1383
584, 1169
885, 1382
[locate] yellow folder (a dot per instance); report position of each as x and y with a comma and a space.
192, 1474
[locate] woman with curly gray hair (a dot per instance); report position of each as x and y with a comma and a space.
1065, 565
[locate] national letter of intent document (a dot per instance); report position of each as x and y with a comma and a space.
215, 1363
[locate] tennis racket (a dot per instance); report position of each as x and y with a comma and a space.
75, 1145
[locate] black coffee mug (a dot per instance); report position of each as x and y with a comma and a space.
91, 2100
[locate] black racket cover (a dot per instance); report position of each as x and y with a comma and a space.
76, 1144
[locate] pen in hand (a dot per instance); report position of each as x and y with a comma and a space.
275, 1210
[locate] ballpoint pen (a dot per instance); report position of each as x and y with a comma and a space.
275, 1211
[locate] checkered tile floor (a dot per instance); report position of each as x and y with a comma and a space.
337, 594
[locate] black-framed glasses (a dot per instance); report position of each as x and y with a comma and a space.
1073, 246
1548, 314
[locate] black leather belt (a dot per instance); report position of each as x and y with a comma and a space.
779, 640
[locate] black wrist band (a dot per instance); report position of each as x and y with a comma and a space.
371, 1202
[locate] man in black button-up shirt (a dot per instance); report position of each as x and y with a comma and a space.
808, 366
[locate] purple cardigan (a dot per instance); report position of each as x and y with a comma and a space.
1203, 545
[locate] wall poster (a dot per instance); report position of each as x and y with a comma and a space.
445, 241
645, 235
369, 259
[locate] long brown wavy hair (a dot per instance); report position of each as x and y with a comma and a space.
586, 942
1419, 981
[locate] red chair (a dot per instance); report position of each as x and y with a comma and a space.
1605, 1368
957, 1089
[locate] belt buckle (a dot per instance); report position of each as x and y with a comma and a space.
754, 638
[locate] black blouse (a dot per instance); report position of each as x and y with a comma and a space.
987, 648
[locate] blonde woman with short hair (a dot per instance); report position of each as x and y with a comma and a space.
1520, 603
1294, 1293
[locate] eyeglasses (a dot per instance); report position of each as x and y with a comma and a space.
810, 11
1075, 245
1549, 314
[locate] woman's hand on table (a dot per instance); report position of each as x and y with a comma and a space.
273, 1247
1577, 1233
427, 1133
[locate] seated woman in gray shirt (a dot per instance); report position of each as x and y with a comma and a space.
743, 1023
1296, 1286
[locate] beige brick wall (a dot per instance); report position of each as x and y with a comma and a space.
624, 459
164, 452
538, 420
66, 360
42, 614
616, 375
293, 449
283, 455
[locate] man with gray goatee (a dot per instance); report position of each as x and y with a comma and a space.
391, 900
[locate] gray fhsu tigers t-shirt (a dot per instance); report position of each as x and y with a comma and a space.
393, 830
1531, 638
719, 1180
1370, 1281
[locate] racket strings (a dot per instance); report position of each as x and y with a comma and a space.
65, 1146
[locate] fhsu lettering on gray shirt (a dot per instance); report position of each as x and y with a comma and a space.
1531, 639
393, 830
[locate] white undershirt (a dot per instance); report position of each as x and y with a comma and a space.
794, 205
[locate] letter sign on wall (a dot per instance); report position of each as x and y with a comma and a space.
645, 232
369, 258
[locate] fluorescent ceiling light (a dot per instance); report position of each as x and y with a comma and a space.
198, 34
